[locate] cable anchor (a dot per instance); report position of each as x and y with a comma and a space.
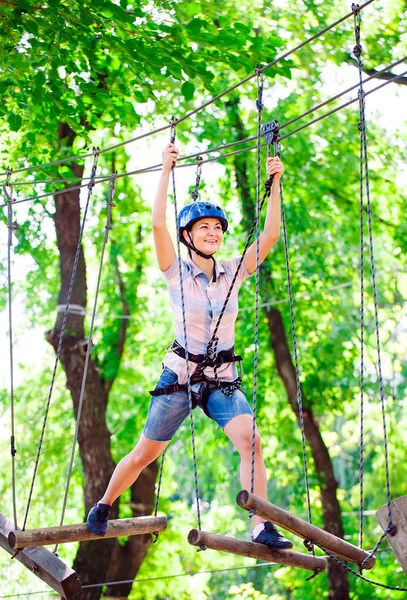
260, 87
271, 133
173, 125
195, 191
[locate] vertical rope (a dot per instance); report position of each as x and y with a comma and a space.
63, 325
259, 105
362, 344
294, 337
108, 227
364, 160
184, 322
8, 192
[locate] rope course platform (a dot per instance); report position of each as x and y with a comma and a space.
80, 533
214, 541
43, 563
284, 519
397, 536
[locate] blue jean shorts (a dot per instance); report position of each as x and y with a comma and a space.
168, 411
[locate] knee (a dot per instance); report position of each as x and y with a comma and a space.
140, 459
245, 443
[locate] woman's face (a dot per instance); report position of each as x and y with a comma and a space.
206, 235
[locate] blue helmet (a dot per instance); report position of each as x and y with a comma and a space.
191, 213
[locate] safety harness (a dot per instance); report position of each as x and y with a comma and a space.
203, 361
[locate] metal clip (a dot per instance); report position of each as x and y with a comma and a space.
195, 191
173, 124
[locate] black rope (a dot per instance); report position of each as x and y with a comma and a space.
147, 579
364, 176
89, 345
8, 192
184, 322
259, 105
359, 575
157, 497
294, 338
61, 335
199, 108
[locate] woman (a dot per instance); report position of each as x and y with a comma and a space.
215, 385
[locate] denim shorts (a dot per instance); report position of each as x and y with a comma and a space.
168, 411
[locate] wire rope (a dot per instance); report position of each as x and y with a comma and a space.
203, 106
223, 146
157, 167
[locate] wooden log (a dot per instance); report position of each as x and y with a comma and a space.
398, 541
43, 564
232, 546
284, 519
80, 532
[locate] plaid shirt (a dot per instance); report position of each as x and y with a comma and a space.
203, 303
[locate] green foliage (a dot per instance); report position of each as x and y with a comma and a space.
107, 68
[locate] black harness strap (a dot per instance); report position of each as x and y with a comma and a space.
224, 356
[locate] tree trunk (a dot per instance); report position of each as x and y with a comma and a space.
95, 561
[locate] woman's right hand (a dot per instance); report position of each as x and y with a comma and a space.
170, 155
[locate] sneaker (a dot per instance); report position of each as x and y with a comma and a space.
98, 518
271, 538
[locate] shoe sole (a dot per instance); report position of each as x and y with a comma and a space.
101, 534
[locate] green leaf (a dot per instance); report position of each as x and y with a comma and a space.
188, 90
15, 121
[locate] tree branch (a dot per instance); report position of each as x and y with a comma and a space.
386, 76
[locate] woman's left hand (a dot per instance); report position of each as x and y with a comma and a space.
275, 167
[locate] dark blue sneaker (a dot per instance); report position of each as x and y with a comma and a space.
271, 538
98, 517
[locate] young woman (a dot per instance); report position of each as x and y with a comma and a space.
201, 227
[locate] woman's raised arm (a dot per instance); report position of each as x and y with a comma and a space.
164, 248
271, 231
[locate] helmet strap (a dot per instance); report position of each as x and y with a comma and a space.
192, 247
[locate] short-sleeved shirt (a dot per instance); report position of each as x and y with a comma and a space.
204, 300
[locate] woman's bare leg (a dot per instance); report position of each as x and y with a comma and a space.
239, 431
130, 467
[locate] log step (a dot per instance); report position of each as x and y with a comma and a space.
44, 564
80, 532
289, 522
214, 541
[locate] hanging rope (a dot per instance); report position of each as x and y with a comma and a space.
362, 345
259, 105
89, 345
294, 338
63, 325
184, 321
364, 178
8, 192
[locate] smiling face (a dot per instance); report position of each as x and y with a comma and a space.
206, 235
